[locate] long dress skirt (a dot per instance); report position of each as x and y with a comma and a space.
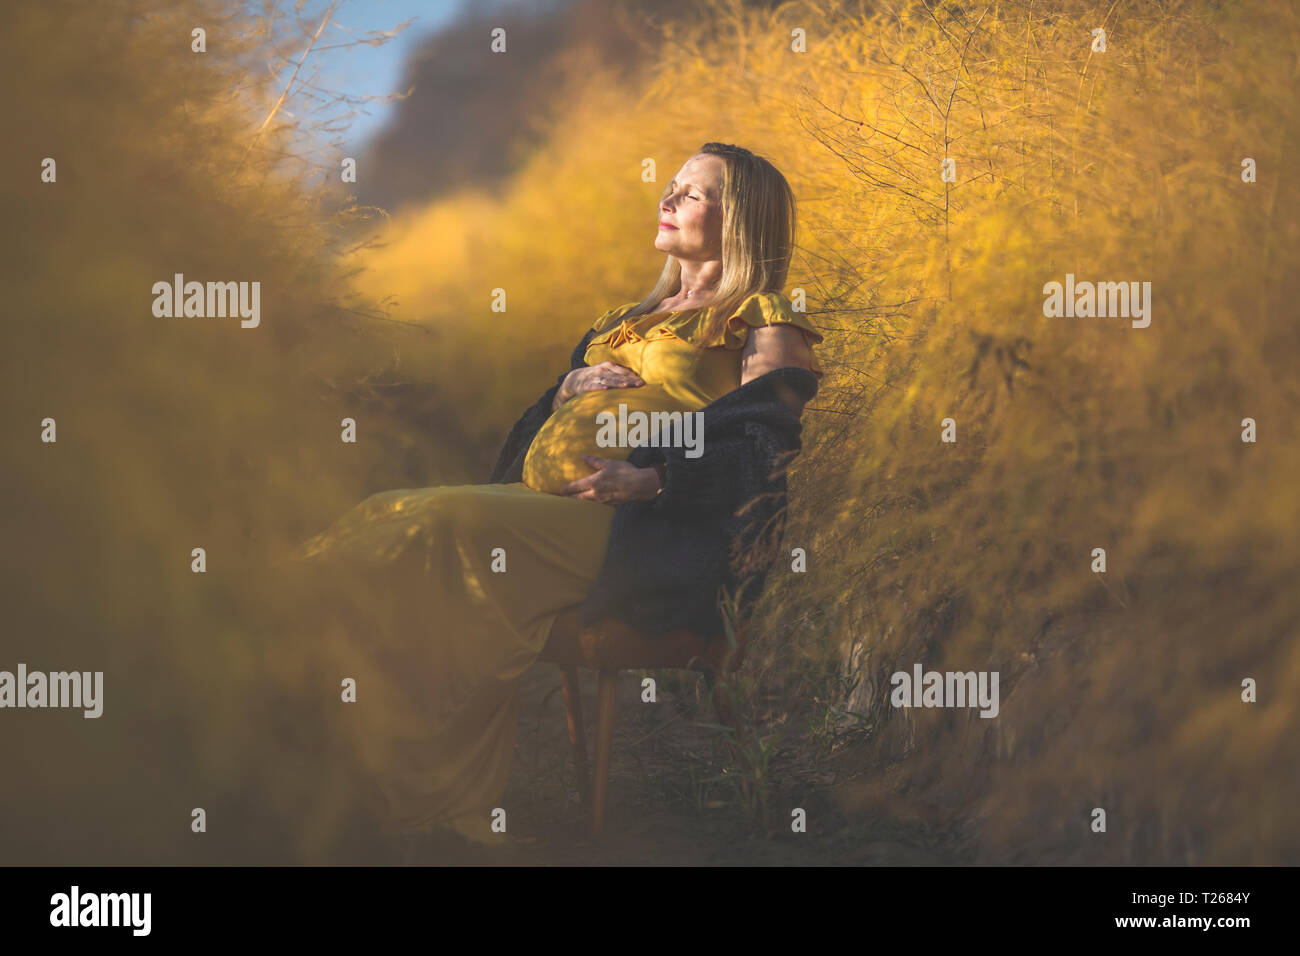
442, 598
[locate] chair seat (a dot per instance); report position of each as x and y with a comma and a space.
612, 645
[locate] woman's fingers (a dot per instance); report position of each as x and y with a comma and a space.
620, 374
597, 384
585, 486
599, 377
585, 483
576, 487
618, 379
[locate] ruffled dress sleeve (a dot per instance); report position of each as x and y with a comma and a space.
761, 309
764, 309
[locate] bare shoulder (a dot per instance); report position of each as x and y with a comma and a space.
771, 347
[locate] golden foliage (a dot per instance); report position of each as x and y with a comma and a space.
1119, 690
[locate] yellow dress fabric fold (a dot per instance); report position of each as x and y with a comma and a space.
451, 594
454, 590
692, 326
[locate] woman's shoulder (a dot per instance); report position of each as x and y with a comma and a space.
702, 328
762, 309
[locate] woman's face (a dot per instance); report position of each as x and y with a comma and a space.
690, 212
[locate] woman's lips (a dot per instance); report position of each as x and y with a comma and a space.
664, 225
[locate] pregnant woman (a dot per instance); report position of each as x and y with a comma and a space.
474, 576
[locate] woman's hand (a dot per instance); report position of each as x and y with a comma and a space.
593, 378
614, 482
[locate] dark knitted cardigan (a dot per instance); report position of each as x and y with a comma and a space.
715, 530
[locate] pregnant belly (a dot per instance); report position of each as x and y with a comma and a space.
555, 457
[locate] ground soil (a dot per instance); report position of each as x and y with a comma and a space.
671, 801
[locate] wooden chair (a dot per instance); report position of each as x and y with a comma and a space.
611, 646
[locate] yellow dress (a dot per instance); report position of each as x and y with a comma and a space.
463, 583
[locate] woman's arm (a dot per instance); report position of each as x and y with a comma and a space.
758, 422
510, 460
771, 347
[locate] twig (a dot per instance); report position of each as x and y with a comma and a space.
288, 86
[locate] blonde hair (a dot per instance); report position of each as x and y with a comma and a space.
758, 220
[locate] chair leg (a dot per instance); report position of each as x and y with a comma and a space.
577, 733
604, 748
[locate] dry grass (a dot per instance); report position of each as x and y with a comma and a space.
1119, 690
